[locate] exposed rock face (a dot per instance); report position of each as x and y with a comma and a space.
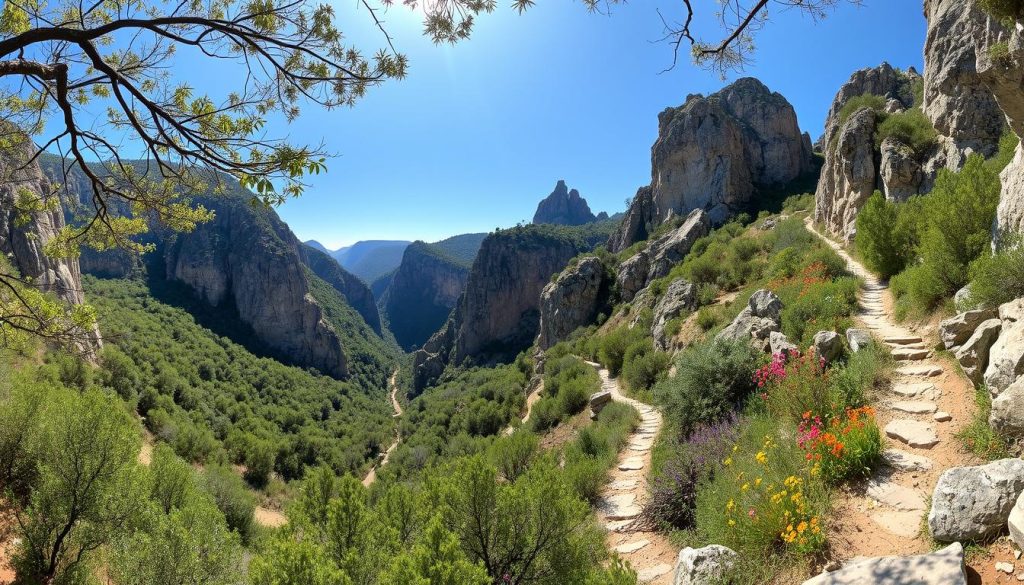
563, 207
422, 294
1010, 213
973, 354
899, 171
958, 329
23, 241
573, 300
884, 80
1006, 358
956, 100
638, 222
714, 152
971, 503
680, 296
249, 258
942, 567
703, 565
657, 258
849, 176
756, 321
498, 314
1007, 415
356, 293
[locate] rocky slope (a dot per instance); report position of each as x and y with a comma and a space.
573, 300
356, 293
563, 207
422, 293
497, 315
714, 153
23, 239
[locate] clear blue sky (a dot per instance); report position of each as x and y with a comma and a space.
479, 132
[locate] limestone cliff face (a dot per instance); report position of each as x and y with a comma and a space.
714, 152
246, 256
356, 293
423, 292
23, 242
563, 207
850, 174
884, 80
498, 314
573, 300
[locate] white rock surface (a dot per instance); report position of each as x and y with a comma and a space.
942, 567
703, 565
971, 503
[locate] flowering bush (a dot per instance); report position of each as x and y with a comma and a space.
845, 446
765, 495
792, 387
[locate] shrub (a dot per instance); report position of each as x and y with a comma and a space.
817, 304
847, 445
867, 100
1004, 9
512, 455
643, 365
712, 379
232, 498
615, 343
259, 462
999, 278
863, 370
708, 318
978, 436
911, 127
885, 246
795, 203
546, 414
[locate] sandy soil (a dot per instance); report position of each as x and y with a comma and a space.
372, 475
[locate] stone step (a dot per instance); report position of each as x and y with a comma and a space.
905, 524
631, 464
905, 461
623, 484
618, 525
620, 507
911, 432
923, 370
914, 406
904, 354
919, 390
652, 573
902, 339
895, 496
631, 547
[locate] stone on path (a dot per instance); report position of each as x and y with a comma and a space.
912, 432
942, 567
972, 503
895, 496
902, 339
904, 461
618, 525
631, 547
909, 353
905, 524
652, 573
942, 416
924, 371
696, 566
623, 484
918, 390
915, 406
632, 464
621, 507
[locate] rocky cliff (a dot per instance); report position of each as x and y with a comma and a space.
356, 293
498, 314
573, 300
23, 236
563, 207
422, 294
714, 153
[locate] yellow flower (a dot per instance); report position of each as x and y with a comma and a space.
730, 505
745, 487
801, 527
732, 522
757, 482
762, 457
727, 462
735, 448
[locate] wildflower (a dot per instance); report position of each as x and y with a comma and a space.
732, 522
801, 527
761, 457
729, 507
745, 487
727, 462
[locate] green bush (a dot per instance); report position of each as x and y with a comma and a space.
513, 455
866, 100
999, 278
911, 127
615, 343
232, 498
712, 379
643, 365
1004, 9
825, 305
883, 239
708, 318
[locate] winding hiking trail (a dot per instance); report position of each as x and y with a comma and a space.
928, 403
371, 476
531, 398
650, 553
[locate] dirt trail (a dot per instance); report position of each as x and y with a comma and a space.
928, 403
650, 553
372, 475
531, 399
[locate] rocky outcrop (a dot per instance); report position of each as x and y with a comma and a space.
563, 207
884, 80
756, 321
638, 222
959, 328
942, 567
573, 300
956, 99
973, 354
680, 296
715, 152
498, 314
1006, 358
899, 171
657, 258
356, 293
849, 176
25, 233
972, 503
422, 294
246, 257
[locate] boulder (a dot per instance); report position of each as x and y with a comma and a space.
1015, 523
827, 345
657, 258
765, 303
756, 321
972, 503
962, 299
703, 565
780, 344
942, 567
858, 339
681, 296
1007, 414
632, 274
973, 354
956, 330
1006, 357
599, 400
899, 170
572, 301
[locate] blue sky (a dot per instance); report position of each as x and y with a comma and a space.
479, 132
